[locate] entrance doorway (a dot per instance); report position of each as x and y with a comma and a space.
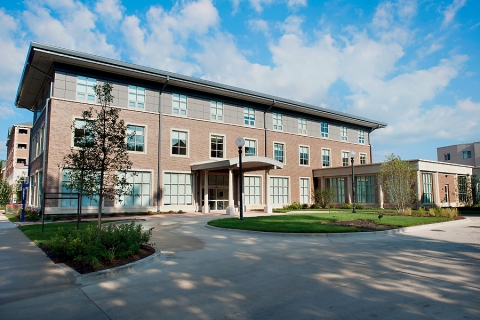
217, 192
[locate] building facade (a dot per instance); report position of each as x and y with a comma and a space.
184, 131
467, 153
16, 164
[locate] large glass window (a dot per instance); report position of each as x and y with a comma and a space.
324, 129
326, 157
304, 156
136, 97
85, 88
179, 104
427, 188
345, 157
466, 154
462, 189
216, 146
446, 156
304, 190
252, 190
216, 110
81, 136
278, 151
177, 189
302, 126
139, 194
361, 136
86, 200
278, 190
179, 143
135, 138
277, 121
365, 189
338, 186
249, 116
343, 133
250, 147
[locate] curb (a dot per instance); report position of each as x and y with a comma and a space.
79, 278
345, 234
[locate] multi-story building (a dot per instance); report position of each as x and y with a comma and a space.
16, 164
183, 150
467, 153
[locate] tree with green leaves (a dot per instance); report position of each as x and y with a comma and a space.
397, 178
6, 192
98, 166
323, 197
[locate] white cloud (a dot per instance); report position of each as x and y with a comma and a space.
6, 112
111, 11
259, 25
451, 11
296, 3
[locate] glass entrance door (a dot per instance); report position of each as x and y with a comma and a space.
218, 198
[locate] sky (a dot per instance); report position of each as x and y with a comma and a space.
414, 65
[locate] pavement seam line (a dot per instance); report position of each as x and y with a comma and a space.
88, 297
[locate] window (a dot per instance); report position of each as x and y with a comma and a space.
302, 126
324, 129
345, 158
22, 131
87, 201
304, 156
462, 189
338, 186
216, 110
22, 146
179, 143
139, 195
135, 138
22, 161
361, 136
216, 146
446, 156
249, 116
177, 189
179, 104
365, 189
466, 154
85, 88
304, 190
278, 151
363, 158
427, 188
136, 97
277, 121
278, 190
250, 147
81, 136
326, 157
343, 133
252, 190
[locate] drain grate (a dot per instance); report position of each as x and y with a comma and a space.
438, 230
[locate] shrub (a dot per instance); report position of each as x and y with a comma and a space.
323, 197
159, 212
449, 212
293, 206
421, 211
170, 211
331, 206
305, 206
181, 211
150, 212
359, 206
347, 206
408, 211
314, 206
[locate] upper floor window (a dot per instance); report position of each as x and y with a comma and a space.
363, 158
304, 156
179, 104
81, 136
136, 97
22, 161
446, 156
217, 144
278, 152
343, 133
135, 138
302, 126
466, 154
277, 121
22, 146
249, 116
22, 131
179, 143
250, 147
325, 157
345, 156
85, 88
361, 136
324, 129
216, 110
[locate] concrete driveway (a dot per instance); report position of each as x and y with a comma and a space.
429, 272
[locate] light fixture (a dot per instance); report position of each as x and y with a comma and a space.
240, 142
352, 157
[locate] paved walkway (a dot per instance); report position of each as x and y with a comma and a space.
429, 272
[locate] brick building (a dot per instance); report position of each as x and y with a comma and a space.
465, 153
183, 149
16, 164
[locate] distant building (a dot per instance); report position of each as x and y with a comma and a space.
467, 153
16, 164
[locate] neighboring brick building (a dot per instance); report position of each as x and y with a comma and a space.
185, 130
16, 164
466, 153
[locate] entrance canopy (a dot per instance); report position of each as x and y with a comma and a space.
249, 163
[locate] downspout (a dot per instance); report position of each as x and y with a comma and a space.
265, 127
159, 145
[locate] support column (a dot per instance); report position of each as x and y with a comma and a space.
349, 189
231, 204
380, 193
268, 207
436, 185
205, 208
419, 189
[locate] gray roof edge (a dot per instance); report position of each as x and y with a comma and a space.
161, 73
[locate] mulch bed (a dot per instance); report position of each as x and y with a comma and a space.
82, 268
364, 225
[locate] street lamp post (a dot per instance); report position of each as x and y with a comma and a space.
352, 158
240, 142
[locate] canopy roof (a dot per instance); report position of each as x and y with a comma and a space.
248, 164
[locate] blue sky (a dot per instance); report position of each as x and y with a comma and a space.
412, 64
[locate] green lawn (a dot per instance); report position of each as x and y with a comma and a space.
11, 217
313, 222
34, 231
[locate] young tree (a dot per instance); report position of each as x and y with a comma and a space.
6, 192
397, 178
323, 197
99, 164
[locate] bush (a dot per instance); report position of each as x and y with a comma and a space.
359, 206
305, 206
421, 211
347, 206
314, 206
408, 211
293, 206
181, 211
159, 212
323, 197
